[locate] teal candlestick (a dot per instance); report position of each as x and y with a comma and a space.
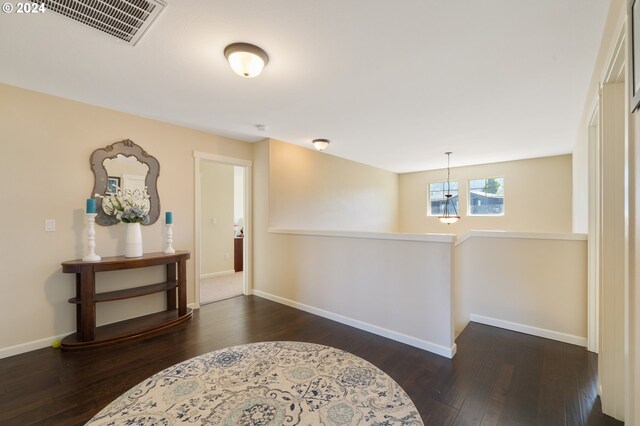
91, 205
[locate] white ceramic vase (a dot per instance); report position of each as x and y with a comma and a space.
133, 244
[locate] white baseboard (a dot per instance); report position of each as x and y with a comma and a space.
527, 329
217, 274
403, 338
30, 346
394, 335
43, 343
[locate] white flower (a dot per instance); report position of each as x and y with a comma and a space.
129, 206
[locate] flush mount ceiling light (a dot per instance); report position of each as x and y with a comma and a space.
320, 144
447, 217
245, 59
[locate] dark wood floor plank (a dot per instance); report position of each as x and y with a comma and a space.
474, 406
495, 406
498, 377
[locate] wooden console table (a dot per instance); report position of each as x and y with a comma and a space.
90, 336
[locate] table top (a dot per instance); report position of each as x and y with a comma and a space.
121, 262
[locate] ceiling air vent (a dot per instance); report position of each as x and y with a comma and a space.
125, 19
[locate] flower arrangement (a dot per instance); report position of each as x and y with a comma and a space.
128, 206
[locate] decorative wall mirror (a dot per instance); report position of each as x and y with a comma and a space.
128, 166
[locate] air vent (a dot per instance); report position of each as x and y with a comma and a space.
125, 19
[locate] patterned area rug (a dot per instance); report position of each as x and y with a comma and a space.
266, 384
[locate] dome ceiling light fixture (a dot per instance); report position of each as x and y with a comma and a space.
320, 144
245, 59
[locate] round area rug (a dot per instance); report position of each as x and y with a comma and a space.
266, 384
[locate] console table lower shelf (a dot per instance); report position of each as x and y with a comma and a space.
89, 336
130, 329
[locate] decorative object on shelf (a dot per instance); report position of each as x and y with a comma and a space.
245, 59
91, 206
320, 144
132, 208
91, 231
113, 183
133, 243
168, 219
124, 165
449, 205
267, 383
128, 206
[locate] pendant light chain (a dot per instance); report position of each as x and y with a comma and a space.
448, 172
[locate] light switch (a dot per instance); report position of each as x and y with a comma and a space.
49, 225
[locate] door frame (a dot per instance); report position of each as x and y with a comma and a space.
595, 229
612, 336
246, 249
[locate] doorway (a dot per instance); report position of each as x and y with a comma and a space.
222, 233
609, 233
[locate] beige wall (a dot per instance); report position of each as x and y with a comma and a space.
216, 228
400, 289
314, 190
44, 167
537, 197
536, 283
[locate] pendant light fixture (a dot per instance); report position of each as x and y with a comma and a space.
245, 59
447, 216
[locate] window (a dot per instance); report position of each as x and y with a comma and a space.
437, 199
486, 197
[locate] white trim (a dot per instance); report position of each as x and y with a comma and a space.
380, 331
248, 218
504, 197
223, 159
247, 246
521, 235
433, 238
594, 229
528, 329
192, 306
198, 217
429, 214
629, 166
217, 274
614, 73
31, 346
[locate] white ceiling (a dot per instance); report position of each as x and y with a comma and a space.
393, 84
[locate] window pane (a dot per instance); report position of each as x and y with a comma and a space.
437, 208
454, 200
437, 199
500, 182
436, 195
486, 196
476, 183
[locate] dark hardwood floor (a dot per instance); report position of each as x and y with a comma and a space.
497, 377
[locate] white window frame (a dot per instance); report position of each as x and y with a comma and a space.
504, 197
444, 190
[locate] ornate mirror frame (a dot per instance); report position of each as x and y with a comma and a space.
127, 148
